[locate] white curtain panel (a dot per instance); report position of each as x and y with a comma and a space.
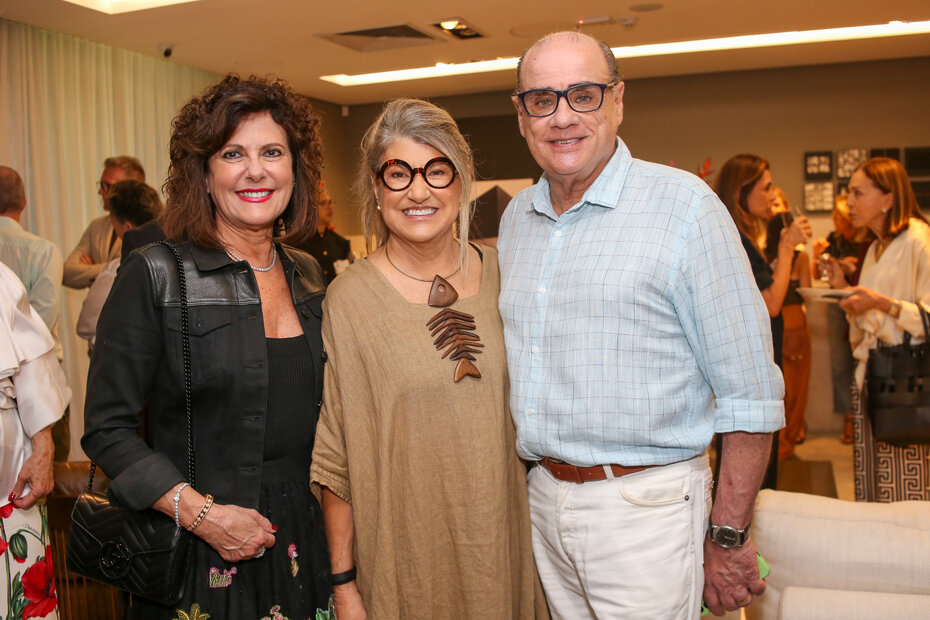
66, 104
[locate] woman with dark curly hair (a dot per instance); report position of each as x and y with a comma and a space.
245, 165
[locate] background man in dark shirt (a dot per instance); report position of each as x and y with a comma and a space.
328, 248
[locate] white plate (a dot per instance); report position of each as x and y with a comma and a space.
822, 294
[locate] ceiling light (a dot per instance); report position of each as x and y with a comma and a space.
113, 7
594, 21
796, 37
458, 28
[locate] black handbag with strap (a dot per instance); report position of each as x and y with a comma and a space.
897, 381
141, 551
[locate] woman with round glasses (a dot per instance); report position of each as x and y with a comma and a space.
424, 497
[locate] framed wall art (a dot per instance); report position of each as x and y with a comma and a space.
818, 165
818, 197
847, 160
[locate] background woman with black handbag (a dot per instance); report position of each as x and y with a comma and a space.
245, 168
884, 307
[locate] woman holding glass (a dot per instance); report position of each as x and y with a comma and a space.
796, 340
744, 185
423, 494
895, 278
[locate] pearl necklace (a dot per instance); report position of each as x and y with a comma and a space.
274, 259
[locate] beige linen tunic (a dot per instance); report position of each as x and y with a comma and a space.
442, 525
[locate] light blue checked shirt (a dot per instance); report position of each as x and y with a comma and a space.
634, 329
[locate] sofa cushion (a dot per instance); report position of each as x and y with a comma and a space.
799, 603
824, 543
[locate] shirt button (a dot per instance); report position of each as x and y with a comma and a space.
535, 349
558, 233
542, 289
529, 411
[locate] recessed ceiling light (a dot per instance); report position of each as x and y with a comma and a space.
458, 28
113, 7
774, 39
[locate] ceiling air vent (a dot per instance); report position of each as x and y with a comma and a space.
379, 39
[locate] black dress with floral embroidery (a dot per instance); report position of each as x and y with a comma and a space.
291, 581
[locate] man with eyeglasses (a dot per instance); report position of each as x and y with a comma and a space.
634, 332
99, 243
330, 249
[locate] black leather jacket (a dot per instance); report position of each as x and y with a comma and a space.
138, 360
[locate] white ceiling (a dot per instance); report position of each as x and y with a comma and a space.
280, 36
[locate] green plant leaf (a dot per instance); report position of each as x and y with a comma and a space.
16, 588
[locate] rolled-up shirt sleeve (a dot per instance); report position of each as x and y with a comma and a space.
726, 323
329, 467
127, 355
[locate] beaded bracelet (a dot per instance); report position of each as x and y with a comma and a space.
203, 513
177, 498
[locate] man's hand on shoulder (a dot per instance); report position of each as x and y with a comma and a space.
731, 576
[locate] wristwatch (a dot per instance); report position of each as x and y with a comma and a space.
728, 537
895, 310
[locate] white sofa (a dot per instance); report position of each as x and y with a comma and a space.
834, 559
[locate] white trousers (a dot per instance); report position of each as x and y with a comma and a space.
625, 548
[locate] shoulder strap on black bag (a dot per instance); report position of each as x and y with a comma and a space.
925, 318
186, 352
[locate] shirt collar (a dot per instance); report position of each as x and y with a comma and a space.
5, 220
208, 259
604, 192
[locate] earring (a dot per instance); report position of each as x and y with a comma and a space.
885, 210
377, 206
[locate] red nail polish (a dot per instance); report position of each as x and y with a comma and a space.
274, 528
12, 496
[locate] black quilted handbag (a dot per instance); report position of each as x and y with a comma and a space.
898, 389
142, 552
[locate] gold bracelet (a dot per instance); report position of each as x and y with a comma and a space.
203, 513
895, 310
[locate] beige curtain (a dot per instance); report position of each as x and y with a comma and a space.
66, 104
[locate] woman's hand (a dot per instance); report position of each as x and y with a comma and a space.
236, 533
799, 232
348, 602
862, 299
36, 471
835, 272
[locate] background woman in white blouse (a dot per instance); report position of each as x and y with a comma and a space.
895, 278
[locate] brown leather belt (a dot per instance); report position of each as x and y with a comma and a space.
573, 473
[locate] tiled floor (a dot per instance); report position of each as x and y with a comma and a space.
829, 448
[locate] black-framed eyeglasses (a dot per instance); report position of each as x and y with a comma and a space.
583, 98
397, 175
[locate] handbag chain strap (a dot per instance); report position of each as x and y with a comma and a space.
186, 352
925, 318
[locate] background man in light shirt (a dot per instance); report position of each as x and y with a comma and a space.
132, 204
37, 264
99, 244
634, 332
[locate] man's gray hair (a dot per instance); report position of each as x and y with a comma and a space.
613, 70
130, 165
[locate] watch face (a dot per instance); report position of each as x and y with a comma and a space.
726, 536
